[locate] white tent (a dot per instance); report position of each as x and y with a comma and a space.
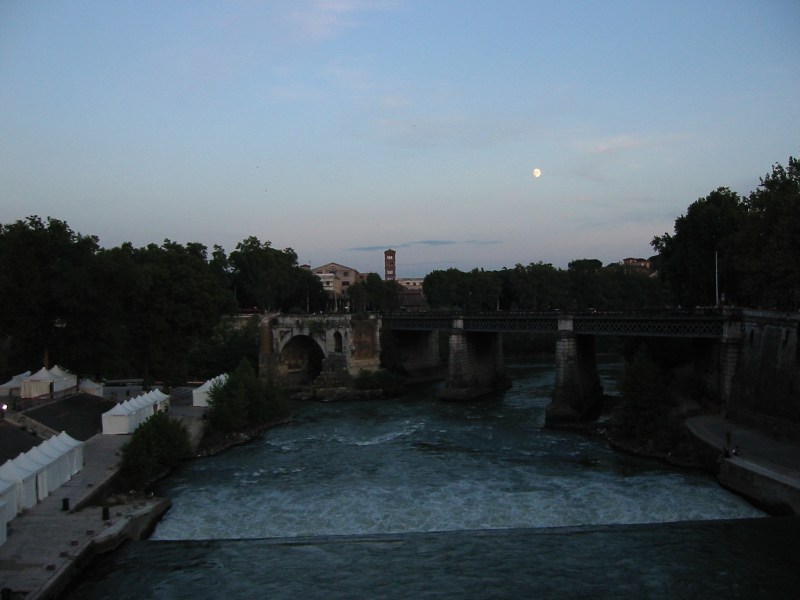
142, 407
63, 380
39, 468
3, 522
26, 490
71, 453
117, 421
76, 457
9, 491
200, 394
13, 387
87, 386
57, 464
39, 384
161, 400
44, 382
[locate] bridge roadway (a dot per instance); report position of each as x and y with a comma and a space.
695, 323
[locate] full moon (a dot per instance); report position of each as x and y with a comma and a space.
537, 172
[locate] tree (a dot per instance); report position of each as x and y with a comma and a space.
270, 279
702, 250
175, 302
374, 294
243, 401
770, 269
155, 446
586, 284
52, 301
536, 287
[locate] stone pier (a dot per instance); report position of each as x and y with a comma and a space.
476, 364
577, 393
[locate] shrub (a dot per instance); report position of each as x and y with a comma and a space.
155, 447
244, 401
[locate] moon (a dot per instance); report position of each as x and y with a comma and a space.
537, 172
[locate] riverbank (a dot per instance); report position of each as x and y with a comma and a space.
752, 463
49, 544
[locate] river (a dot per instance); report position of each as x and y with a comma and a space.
417, 498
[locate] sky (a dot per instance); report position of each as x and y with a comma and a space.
342, 128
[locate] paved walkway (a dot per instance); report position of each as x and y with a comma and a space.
45, 541
761, 467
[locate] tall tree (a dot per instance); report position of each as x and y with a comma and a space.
270, 279
770, 262
703, 250
49, 301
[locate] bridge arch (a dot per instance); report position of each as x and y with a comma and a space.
302, 359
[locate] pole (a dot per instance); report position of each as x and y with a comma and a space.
716, 278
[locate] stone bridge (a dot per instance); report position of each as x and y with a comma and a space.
475, 352
298, 349
751, 352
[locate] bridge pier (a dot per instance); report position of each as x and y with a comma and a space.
419, 354
475, 365
578, 392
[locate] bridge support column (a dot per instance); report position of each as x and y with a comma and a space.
578, 393
475, 365
730, 347
419, 354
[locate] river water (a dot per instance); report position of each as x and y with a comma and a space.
416, 498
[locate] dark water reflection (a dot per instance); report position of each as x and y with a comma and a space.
749, 558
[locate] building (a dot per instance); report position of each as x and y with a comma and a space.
336, 278
389, 269
641, 266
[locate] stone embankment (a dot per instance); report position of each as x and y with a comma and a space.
50, 543
763, 469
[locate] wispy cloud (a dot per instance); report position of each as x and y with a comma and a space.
425, 243
451, 129
325, 19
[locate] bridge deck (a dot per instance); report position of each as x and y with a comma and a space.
703, 324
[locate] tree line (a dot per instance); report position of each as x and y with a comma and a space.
168, 311
726, 249
585, 285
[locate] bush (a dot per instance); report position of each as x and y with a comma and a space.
243, 401
155, 447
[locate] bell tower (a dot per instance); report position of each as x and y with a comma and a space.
389, 270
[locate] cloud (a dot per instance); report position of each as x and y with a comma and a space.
326, 19
425, 243
616, 144
450, 129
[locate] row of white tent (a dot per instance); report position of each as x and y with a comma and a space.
41, 383
126, 416
200, 394
36, 474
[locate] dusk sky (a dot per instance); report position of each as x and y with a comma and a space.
340, 128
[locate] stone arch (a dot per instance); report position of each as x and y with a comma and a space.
301, 359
